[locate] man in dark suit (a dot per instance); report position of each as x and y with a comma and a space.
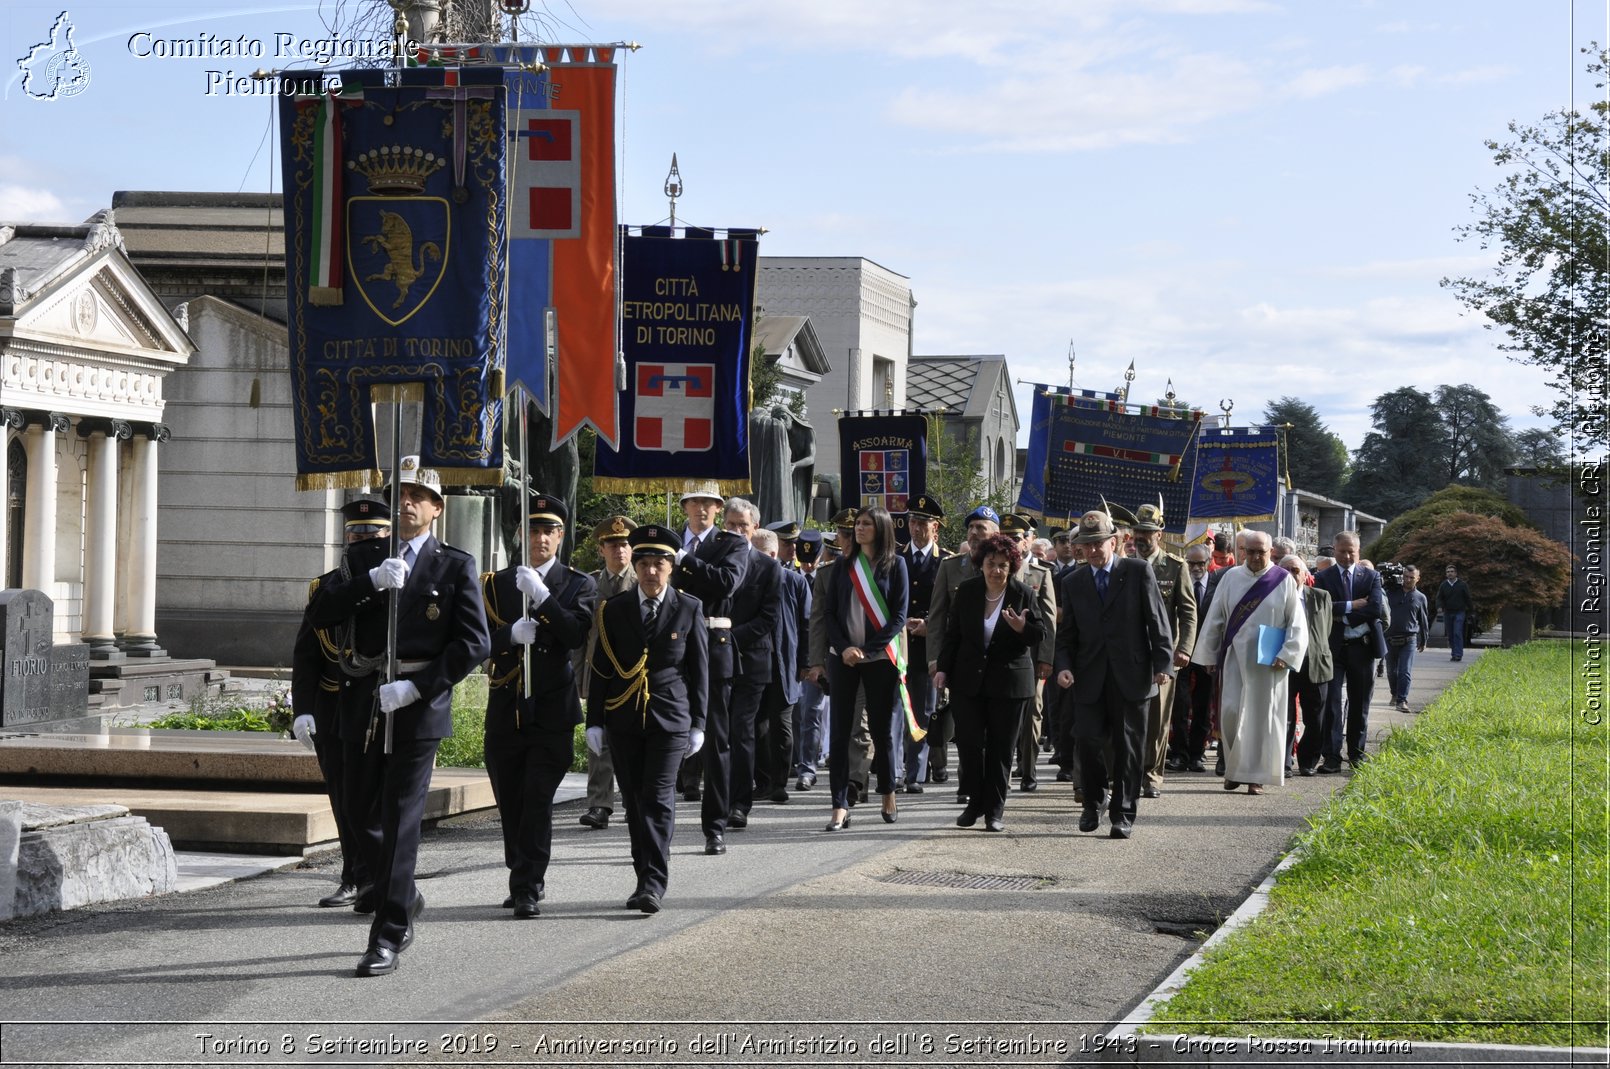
1114, 649
546, 608
615, 577
729, 758
1173, 581
710, 565
316, 687
647, 695
774, 729
924, 517
982, 522
1310, 681
1193, 691
441, 638
1357, 640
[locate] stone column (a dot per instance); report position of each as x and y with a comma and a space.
10, 419
39, 532
100, 536
140, 636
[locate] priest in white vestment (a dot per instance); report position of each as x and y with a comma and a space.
1252, 597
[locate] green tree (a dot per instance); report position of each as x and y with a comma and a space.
1506, 566
1477, 445
1538, 447
956, 474
1401, 460
1448, 500
1549, 219
1318, 458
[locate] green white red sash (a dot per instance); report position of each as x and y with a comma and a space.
877, 613
324, 262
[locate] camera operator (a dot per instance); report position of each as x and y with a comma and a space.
1407, 631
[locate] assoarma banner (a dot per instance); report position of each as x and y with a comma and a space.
687, 315
1031, 495
885, 461
1237, 474
1126, 454
394, 252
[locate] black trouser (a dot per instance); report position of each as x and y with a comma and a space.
396, 784
738, 788
645, 765
1192, 715
986, 735
1299, 688
774, 741
1355, 664
329, 749
941, 730
881, 680
1114, 725
526, 768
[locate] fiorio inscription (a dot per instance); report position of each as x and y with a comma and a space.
41, 681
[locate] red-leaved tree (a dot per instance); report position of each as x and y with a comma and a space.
1505, 566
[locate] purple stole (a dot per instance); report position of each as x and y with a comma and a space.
1262, 588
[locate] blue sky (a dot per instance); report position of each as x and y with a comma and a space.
1253, 197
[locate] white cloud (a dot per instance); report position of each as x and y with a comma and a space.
1323, 80
1496, 72
22, 204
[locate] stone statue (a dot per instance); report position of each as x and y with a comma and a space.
802, 455
769, 465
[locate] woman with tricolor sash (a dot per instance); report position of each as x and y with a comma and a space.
865, 611
992, 629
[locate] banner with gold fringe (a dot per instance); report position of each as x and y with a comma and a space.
687, 317
414, 238
1099, 449
1237, 474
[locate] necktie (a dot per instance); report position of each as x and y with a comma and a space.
651, 612
1101, 585
1347, 584
408, 554
1201, 591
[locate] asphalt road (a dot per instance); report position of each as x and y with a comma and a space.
796, 938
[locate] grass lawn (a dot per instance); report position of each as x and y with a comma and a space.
1456, 891
465, 749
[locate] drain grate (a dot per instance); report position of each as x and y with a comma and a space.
968, 881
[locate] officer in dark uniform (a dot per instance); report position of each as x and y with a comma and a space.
441, 638
529, 744
316, 685
924, 516
615, 577
787, 532
810, 712
710, 565
729, 762
647, 696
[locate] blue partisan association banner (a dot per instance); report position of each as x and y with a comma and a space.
394, 251
1121, 453
687, 316
1031, 495
1237, 474
885, 462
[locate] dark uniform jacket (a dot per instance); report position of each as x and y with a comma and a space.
754, 616
660, 685
563, 621
921, 571
1005, 667
1127, 638
316, 669
441, 626
952, 570
789, 640
712, 574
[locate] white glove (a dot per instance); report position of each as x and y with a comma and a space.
394, 696
302, 727
389, 574
595, 741
680, 554
695, 740
531, 584
524, 631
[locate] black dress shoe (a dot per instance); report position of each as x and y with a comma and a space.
1330, 768
913, 788
525, 905
805, 782
968, 817
714, 844
940, 776
1218, 766
1121, 828
1090, 819
366, 901
1305, 770
596, 817
1149, 791
1174, 764
961, 798
1064, 776
993, 824
1196, 765
508, 903
377, 961
648, 902
1030, 785
418, 906
692, 794
780, 796
407, 939
737, 819
345, 895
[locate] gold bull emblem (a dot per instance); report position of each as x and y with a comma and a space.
403, 267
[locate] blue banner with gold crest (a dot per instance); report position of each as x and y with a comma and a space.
1237, 474
1031, 495
395, 246
1121, 453
884, 459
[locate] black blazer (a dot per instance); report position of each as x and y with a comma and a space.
789, 640
1127, 638
315, 671
563, 620
678, 658
1366, 584
836, 611
712, 574
921, 571
440, 620
754, 615
1005, 667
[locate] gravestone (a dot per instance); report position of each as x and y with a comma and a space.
42, 681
